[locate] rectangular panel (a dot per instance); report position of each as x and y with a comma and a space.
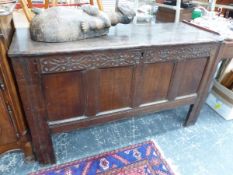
115, 88
64, 95
192, 72
156, 80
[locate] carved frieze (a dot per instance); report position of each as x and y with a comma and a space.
65, 63
85, 61
177, 53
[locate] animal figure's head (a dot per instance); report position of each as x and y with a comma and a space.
127, 13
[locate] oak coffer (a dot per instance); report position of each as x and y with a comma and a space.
136, 69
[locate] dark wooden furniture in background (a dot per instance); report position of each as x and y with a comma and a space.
226, 12
166, 15
227, 54
136, 69
13, 131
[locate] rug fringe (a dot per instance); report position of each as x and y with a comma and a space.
168, 160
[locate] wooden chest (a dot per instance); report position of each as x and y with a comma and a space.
136, 69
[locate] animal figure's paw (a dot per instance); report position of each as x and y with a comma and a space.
91, 10
85, 26
126, 13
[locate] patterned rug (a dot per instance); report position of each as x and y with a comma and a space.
138, 159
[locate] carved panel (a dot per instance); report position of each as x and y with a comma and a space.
177, 53
65, 63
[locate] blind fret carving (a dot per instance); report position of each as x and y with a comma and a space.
180, 53
88, 61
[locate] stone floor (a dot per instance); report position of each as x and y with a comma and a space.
203, 149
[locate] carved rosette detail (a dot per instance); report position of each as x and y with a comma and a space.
179, 53
88, 61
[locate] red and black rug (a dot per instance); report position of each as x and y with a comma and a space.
138, 159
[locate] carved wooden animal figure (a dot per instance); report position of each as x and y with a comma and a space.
60, 24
